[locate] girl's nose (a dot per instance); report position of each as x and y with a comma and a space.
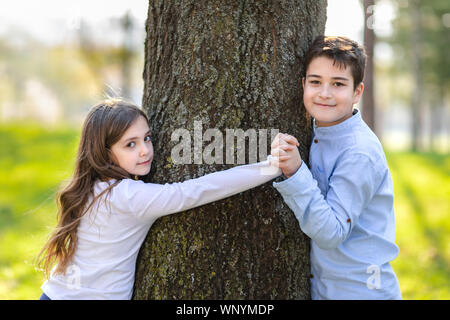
144, 150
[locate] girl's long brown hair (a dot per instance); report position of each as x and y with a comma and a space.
104, 126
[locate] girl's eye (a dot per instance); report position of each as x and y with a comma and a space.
131, 144
314, 82
147, 139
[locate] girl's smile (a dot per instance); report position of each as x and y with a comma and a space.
144, 163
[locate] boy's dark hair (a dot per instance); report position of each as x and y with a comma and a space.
343, 51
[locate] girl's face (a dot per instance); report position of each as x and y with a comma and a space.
134, 151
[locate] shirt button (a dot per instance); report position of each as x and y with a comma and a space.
348, 220
316, 141
311, 276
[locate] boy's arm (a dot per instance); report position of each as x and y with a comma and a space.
329, 220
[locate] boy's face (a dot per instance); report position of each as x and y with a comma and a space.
328, 92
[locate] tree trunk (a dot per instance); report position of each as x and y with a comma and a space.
368, 110
126, 54
417, 96
226, 65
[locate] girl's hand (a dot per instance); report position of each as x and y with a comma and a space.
284, 138
285, 154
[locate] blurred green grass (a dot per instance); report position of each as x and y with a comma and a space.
33, 163
35, 160
422, 207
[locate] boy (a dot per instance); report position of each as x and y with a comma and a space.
344, 202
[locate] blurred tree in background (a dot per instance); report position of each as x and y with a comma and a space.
58, 82
420, 43
103, 59
368, 110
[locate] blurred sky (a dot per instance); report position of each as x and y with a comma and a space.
56, 22
52, 21
346, 18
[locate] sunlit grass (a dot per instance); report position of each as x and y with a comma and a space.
34, 161
422, 194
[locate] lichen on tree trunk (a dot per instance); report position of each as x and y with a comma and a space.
226, 64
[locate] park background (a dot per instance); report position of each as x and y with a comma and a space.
57, 59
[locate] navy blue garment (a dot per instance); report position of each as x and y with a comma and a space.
44, 297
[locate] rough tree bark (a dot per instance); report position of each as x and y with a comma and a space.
228, 64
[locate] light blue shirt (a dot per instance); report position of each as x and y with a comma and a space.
345, 204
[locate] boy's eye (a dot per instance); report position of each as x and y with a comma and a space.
339, 84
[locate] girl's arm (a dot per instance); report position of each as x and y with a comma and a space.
150, 200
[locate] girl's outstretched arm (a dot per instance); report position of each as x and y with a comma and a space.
151, 201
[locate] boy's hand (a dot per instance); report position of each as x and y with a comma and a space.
287, 158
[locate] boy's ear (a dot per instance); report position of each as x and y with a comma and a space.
358, 93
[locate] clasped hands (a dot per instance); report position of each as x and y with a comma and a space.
285, 154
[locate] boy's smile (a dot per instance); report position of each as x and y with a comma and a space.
328, 92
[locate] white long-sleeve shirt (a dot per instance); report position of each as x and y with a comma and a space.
111, 233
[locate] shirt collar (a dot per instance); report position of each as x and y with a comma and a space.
342, 127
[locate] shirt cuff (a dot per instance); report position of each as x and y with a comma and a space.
290, 186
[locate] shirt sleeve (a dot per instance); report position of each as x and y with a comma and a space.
151, 201
329, 220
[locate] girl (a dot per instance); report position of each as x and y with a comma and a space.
104, 215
